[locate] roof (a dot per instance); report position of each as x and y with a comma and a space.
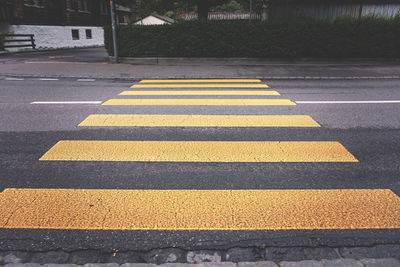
123, 8
164, 18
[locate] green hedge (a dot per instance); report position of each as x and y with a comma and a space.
300, 37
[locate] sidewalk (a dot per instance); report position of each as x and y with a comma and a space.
388, 262
94, 63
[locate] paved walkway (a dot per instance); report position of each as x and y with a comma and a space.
388, 262
94, 63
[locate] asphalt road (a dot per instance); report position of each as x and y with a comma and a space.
369, 131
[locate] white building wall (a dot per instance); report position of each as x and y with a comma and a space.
58, 36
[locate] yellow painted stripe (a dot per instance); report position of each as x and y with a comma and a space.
200, 120
203, 81
215, 92
199, 102
199, 151
200, 86
199, 209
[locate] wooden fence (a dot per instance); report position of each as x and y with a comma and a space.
226, 16
332, 11
325, 11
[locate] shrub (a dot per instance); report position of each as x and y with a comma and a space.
289, 38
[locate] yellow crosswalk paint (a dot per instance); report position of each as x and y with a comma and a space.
215, 92
127, 120
203, 81
93, 209
199, 151
233, 85
198, 102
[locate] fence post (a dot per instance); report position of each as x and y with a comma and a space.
33, 42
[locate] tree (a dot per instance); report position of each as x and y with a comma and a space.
203, 6
233, 7
174, 7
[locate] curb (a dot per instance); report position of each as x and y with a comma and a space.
387, 262
251, 61
136, 78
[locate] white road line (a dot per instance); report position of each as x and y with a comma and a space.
54, 62
14, 79
350, 102
49, 79
86, 80
66, 102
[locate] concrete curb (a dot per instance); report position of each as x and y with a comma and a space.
136, 78
251, 61
387, 262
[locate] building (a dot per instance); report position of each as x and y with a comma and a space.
155, 19
124, 14
58, 23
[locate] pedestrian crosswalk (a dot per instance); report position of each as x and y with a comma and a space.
202, 81
140, 120
199, 209
198, 102
199, 151
203, 92
206, 85
110, 209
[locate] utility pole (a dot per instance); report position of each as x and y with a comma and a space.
114, 32
251, 9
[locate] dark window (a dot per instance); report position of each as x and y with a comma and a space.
83, 5
78, 5
75, 34
34, 3
104, 7
88, 34
6, 12
75, 4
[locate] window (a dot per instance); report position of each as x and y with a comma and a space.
104, 8
75, 34
88, 34
74, 4
35, 3
83, 5
78, 5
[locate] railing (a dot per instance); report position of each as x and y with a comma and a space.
23, 40
225, 16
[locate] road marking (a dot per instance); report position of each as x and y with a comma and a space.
200, 86
199, 151
49, 79
86, 80
14, 79
350, 102
58, 62
215, 92
96, 209
65, 102
199, 102
203, 81
124, 120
